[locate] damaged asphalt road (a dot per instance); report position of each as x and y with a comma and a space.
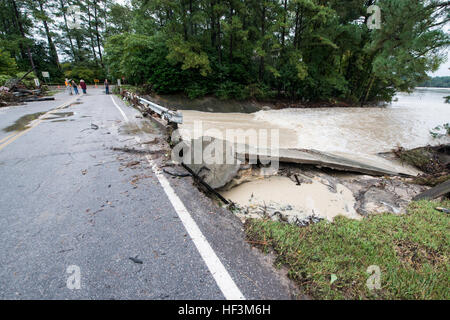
70, 197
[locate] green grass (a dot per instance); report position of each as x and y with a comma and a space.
411, 250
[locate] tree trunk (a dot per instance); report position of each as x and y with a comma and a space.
231, 31
105, 18
213, 25
13, 22
91, 35
53, 51
263, 30
72, 48
219, 38
283, 30
185, 28
97, 33
297, 14
191, 25
22, 32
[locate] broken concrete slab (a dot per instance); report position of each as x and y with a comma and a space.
210, 159
366, 164
434, 193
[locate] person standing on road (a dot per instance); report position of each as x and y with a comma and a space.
106, 86
75, 87
68, 86
83, 86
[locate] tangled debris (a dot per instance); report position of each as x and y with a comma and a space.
434, 162
17, 91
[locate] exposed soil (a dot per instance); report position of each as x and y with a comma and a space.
415, 255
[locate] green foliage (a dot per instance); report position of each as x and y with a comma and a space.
4, 79
28, 81
298, 48
189, 54
195, 90
235, 49
83, 71
412, 251
231, 90
8, 65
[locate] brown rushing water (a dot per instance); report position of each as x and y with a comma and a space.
406, 122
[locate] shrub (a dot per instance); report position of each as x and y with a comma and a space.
4, 79
195, 91
231, 90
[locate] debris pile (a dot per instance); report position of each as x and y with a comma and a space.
15, 91
434, 162
6, 97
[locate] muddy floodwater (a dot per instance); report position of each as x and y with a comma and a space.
358, 133
281, 195
406, 122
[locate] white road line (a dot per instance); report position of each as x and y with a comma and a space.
212, 261
121, 111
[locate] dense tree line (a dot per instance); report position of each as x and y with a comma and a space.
36, 34
297, 49
437, 82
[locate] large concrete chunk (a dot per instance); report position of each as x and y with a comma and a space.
213, 160
366, 164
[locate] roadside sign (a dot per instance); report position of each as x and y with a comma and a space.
45, 74
36, 82
96, 80
118, 82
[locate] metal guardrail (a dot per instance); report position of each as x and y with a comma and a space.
166, 114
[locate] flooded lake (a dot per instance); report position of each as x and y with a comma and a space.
406, 122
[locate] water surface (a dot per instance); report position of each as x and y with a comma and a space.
406, 122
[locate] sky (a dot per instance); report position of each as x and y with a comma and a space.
444, 69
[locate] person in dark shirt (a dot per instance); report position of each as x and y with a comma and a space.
106, 86
83, 86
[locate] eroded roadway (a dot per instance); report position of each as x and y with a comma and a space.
68, 199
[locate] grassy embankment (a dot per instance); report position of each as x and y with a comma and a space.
411, 250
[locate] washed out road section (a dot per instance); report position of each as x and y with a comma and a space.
67, 198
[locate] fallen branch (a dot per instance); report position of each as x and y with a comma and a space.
181, 175
135, 151
207, 186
